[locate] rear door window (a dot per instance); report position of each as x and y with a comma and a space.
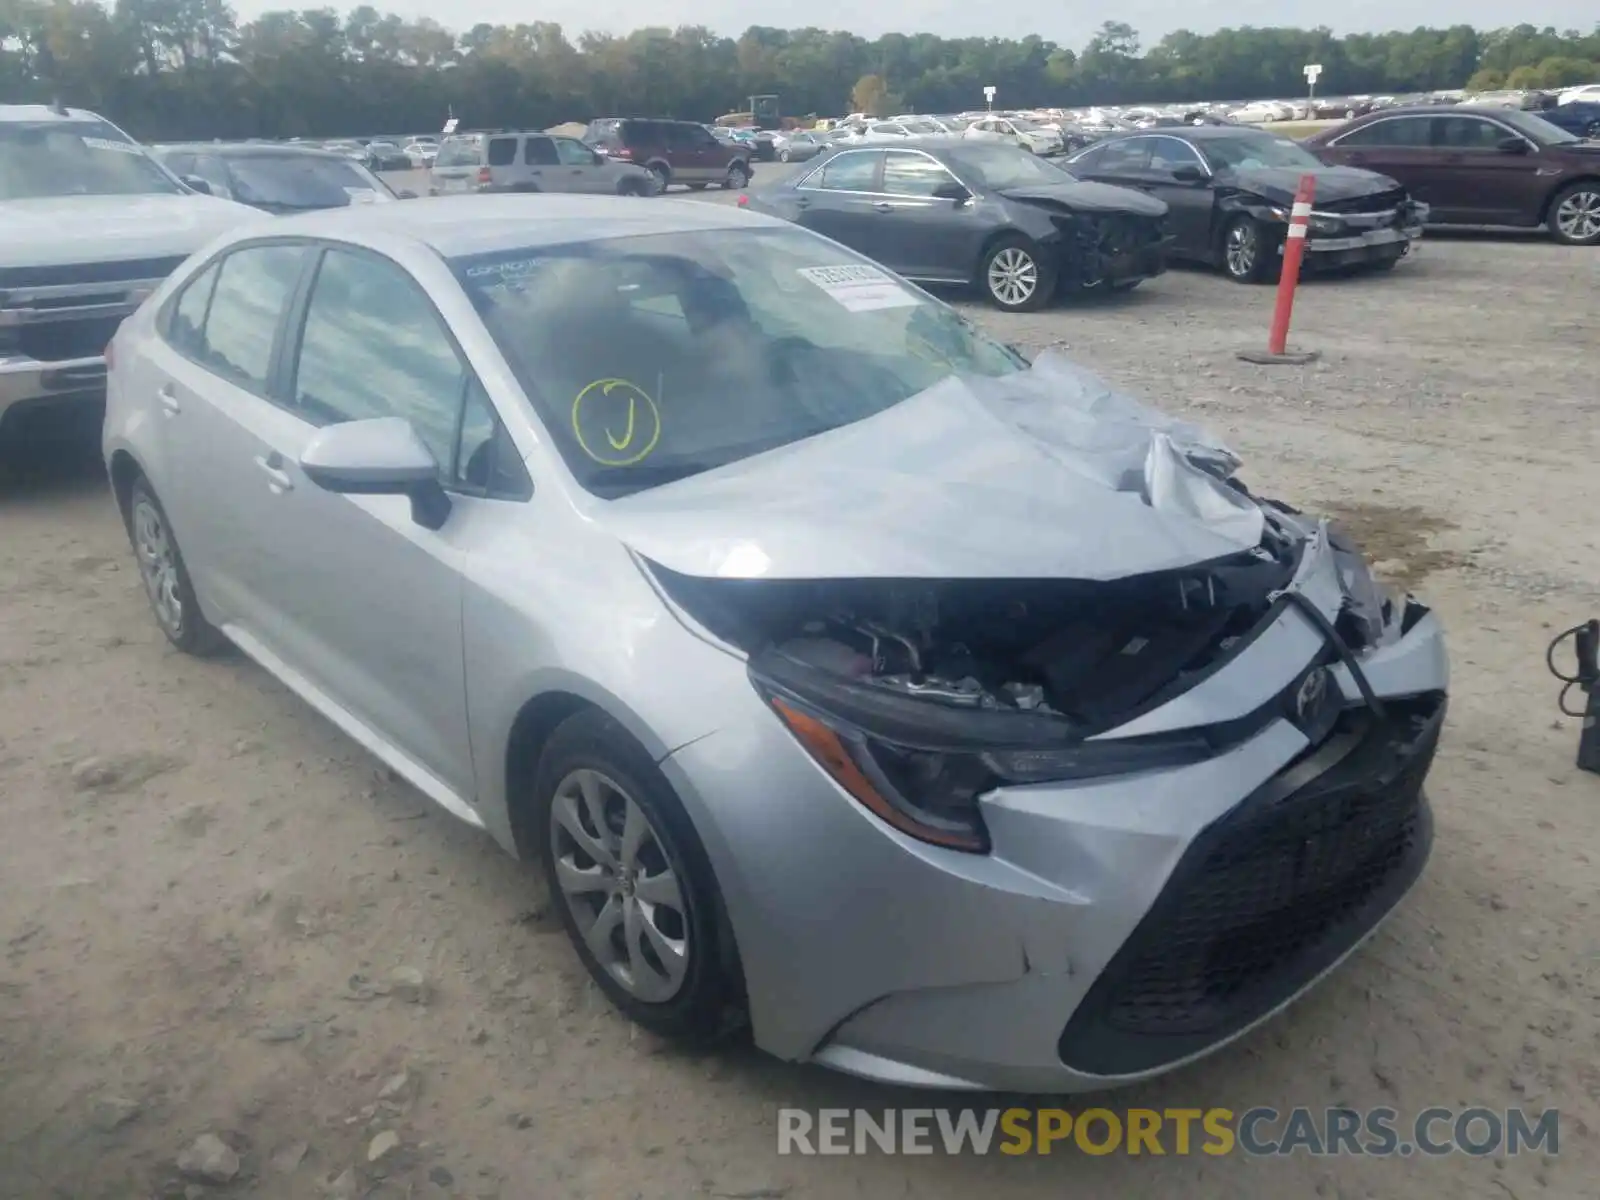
252, 292
854, 171
538, 152
502, 151
1124, 155
1393, 131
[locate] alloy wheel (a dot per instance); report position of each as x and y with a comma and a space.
158, 565
1243, 246
738, 176
1578, 216
1013, 276
614, 876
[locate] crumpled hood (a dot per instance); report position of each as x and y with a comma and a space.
1333, 183
1046, 473
63, 230
1085, 196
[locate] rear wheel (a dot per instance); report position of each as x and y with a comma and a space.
1246, 254
738, 177
783, 155
1015, 276
1575, 214
635, 186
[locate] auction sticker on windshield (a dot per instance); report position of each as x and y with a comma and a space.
860, 288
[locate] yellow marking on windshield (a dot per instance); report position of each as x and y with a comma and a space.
598, 405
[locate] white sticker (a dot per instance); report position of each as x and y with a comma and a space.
107, 144
359, 195
860, 288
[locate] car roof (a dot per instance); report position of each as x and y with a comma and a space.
247, 150
44, 112
460, 225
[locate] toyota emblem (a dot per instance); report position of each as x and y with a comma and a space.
1310, 695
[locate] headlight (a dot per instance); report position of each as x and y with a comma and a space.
1325, 224
1368, 606
928, 782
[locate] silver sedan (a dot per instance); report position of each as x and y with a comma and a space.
949, 718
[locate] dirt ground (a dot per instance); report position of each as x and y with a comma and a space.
218, 915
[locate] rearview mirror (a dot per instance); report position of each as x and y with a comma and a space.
952, 191
378, 457
1512, 145
1188, 174
195, 183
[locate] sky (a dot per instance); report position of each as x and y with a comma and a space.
1070, 26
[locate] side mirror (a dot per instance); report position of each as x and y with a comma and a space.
378, 457
195, 183
1188, 174
952, 191
1512, 145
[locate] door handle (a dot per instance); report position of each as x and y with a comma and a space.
278, 480
169, 400
801, 202
883, 206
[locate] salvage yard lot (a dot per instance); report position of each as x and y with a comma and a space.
204, 888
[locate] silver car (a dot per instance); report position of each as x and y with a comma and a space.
532, 162
952, 719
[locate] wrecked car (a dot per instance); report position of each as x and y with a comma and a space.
1232, 191
980, 214
950, 718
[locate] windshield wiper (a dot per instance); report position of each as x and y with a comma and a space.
643, 475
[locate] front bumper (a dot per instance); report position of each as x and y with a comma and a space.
1364, 238
26, 383
1102, 939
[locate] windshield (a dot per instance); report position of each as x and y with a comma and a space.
655, 357
76, 158
921, 126
1003, 166
1261, 151
302, 181
1536, 127
1026, 125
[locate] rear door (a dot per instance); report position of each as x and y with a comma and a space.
540, 170
838, 199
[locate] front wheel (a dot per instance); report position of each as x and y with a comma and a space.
738, 177
783, 156
1246, 253
663, 176
631, 880
1575, 214
1015, 276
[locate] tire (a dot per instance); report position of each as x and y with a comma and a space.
165, 575
663, 174
589, 758
783, 155
1016, 258
1575, 214
738, 177
635, 187
1239, 261
696, 187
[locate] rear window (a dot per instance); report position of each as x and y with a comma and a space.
652, 133
458, 152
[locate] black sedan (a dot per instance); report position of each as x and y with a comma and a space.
958, 211
1581, 118
1231, 191
275, 179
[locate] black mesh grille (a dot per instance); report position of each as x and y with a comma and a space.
57, 341
1269, 896
1378, 202
109, 272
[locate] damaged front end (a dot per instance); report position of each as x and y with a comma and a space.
1108, 249
920, 696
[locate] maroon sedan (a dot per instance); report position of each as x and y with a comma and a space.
1479, 166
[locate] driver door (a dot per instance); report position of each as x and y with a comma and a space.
578, 167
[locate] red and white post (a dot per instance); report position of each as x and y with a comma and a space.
1294, 249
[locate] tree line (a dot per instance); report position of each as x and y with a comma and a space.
171, 69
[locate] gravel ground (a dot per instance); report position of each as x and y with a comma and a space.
220, 917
